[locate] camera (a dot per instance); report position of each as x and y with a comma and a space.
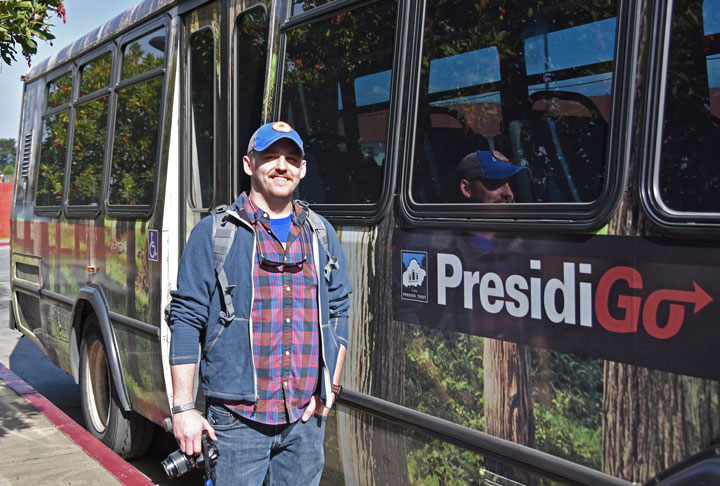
178, 463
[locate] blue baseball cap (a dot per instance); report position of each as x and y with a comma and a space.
488, 165
270, 133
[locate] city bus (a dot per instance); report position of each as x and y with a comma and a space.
568, 335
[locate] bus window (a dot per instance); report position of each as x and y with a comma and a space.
134, 155
137, 123
300, 6
59, 91
144, 54
95, 75
86, 169
52, 160
53, 149
533, 84
336, 93
252, 39
687, 176
202, 124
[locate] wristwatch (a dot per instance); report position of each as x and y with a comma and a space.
182, 408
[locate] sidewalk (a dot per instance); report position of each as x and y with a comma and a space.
39, 444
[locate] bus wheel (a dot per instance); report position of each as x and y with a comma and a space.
127, 433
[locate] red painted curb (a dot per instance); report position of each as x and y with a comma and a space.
113, 463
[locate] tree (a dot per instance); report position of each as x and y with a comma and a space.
24, 21
7, 151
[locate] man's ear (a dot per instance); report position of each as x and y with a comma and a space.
303, 168
465, 188
248, 165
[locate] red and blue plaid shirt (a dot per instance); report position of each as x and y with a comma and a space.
286, 338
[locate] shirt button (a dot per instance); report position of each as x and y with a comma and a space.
286, 259
287, 320
287, 353
287, 288
285, 383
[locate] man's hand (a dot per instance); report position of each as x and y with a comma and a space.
187, 428
315, 406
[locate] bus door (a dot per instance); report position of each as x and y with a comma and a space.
203, 166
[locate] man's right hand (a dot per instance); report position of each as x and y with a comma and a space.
187, 428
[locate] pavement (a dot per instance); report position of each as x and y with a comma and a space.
39, 442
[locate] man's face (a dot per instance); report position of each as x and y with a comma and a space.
487, 190
276, 171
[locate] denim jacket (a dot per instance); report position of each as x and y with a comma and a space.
227, 369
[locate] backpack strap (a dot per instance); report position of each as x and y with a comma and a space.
318, 227
224, 226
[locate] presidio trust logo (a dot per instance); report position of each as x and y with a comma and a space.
414, 276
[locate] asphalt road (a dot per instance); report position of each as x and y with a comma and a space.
27, 361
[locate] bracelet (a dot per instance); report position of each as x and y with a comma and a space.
182, 408
337, 390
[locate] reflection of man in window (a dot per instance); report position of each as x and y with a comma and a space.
484, 177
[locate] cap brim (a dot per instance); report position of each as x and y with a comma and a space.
259, 146
503, 171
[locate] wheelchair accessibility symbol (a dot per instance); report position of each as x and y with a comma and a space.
153, 248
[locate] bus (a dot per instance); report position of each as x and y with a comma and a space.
569, 336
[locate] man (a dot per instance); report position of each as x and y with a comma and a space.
484, 177
270, 374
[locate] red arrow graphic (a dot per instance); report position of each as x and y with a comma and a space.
698, 296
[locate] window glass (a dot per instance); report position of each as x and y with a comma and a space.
86, 170
134, 156
52, 160
688, 175
59, 91
336, 93
251, 60
300, 6
533, 84
202, 118
95, 74
144, 54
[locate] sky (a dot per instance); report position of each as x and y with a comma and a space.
82, 17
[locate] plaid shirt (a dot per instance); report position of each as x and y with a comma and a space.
286, 338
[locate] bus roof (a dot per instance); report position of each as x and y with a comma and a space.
99, 35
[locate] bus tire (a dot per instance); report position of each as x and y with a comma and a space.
127, 433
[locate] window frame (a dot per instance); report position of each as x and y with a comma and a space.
356, 213
89, 211
138, 211
575, 217
55, 210
665, 219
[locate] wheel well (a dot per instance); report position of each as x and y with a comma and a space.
83, 309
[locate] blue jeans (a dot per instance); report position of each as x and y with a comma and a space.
255, 454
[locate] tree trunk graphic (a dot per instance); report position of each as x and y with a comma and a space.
508, 399
373, 452
652, 419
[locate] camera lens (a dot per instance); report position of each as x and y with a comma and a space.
176, 464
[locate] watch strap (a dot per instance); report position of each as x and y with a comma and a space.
182, 408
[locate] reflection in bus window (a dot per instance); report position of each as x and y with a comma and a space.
95, 74
252, 33
59, 91
336, 91
202, 117
52, 160
516, 81
689, 174
134, 155
300, 6
144, 54
86, 170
